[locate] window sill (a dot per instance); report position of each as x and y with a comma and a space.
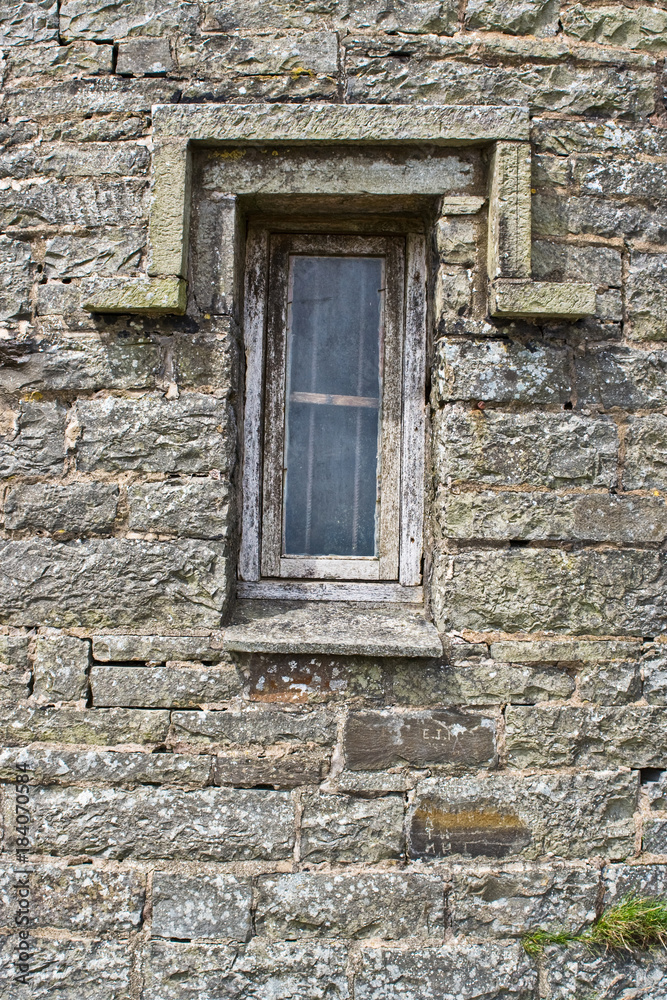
333, 629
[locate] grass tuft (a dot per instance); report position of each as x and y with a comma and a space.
636, 923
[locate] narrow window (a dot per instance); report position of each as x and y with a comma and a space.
325, 461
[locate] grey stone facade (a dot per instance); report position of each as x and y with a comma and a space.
306, 814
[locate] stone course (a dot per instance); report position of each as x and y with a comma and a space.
325, 805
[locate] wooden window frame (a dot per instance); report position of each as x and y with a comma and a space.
396, 573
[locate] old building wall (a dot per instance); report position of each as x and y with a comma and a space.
207, 823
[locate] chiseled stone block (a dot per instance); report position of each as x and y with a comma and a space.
348, 829
210, 824
380, 905
78, 898
101, 727
525, 17
32, 440
616, 24
501, 372
457, 970
506, 815
107, 767
60, 668
192, 508
639, 880
17, 272
645, 466
580, 971
647, 294
447, 738
508, 900
96, 970
74, 508
201, 906
654, 840
282, 767
93, 19
184, 686
254, 724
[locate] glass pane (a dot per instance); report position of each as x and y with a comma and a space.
333, 406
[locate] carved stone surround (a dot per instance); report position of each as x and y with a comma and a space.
178, 128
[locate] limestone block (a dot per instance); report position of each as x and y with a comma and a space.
456, 239
420, 16
281, 766
528, 17
614, 683
101, 727
616, 24
183, 686
564, 650
532, 299
94, 19
254, 725
215, 277
578, 971
29, 22
500, 448
59, 62
504, 815
201, 906
485, 683
279, 970
539, 516
619, 138
256, 89
562, 262
640, 880
144, 57
81, 256
509, 211
60, 668
625, 377
96, 970
574, 736
654, 670
146, 296
102, 95
158, 648
554, 215
191, 509
77, 203
15, 672
455, 740
219, 56
114, 127
169, 220
66, 362
32, 440
432, 76
501, 372
106, 583
655, 789
154, 434
350, 906
14, 651
210, 824
76, 507
647, 296
453, 295
78, 898
530, 590
17, 272
346, 829
206, 359
107, 767
645, 465
457, 970
618, 177
503, 901
654, 840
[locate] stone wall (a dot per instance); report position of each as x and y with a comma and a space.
208, 824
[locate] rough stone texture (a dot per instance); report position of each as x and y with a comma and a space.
378, 740
499, 448
53, 582
625, 377
579, 971
585, 737
654, 670
77, 767
614, 683
615, 24
506, 901
646, 453
528, 591
204, 906
153, 434
78, 508
642, 880
654, 840
281, 766
154, 648
32, 440
184, 686
60, 668
280, 970
102, 727
98, 970
503, 815
566, 651
352, 906
257, 725
212, 824
195, 509
342, 828
78, 898
14, 650
454, 971
647, 303
528, 17
501, 373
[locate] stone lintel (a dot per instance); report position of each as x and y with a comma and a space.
461, 204
167, 295
534, 299
339, 629
366, 123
